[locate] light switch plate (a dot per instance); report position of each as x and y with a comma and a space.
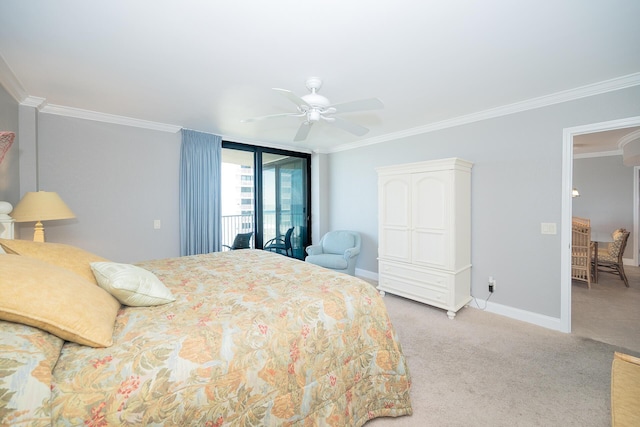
548, 228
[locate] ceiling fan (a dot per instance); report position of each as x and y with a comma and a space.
315, 107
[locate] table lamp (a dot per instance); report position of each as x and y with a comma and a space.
41, 206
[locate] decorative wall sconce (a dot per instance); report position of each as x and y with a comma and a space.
6, 139
575, 193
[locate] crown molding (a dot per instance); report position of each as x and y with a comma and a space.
635, 135
610, 85
107, 118
34, 101
10, 82
598, 154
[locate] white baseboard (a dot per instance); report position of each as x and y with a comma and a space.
371, 275
492, 307
518, 314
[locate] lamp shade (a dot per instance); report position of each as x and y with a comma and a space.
41, 206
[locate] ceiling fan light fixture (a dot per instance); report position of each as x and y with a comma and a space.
314, 107
313, 115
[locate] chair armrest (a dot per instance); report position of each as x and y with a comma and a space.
270, 241
351, 252
314, 250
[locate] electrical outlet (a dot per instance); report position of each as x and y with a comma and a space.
492, 284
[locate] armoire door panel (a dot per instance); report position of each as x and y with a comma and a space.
396, 244
395, 211
431, 248
430, 201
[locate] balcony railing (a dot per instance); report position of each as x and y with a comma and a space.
234, 224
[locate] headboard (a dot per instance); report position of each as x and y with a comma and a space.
6, 222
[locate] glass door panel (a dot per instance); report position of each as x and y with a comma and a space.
284, 199
238, 194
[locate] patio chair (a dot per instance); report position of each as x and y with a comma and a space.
281, 243
241, 241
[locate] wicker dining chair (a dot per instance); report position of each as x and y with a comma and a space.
581, 258
625, 389
610, 257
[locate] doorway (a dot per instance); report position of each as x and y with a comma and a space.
567, 187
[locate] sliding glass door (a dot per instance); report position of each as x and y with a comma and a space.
284, 199
266, 191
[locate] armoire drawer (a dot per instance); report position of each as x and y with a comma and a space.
415, 274
414, 290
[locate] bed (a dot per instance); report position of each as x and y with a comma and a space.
245, 337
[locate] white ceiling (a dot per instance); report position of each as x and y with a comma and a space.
205, 65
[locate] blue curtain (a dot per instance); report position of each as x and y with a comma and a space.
200, 210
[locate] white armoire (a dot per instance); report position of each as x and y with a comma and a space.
424, 232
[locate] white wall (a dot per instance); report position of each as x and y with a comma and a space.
606, 194
117, 180
516, 185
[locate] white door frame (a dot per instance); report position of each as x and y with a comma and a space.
565, 226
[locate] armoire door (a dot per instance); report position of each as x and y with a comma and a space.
395, 217
431, 219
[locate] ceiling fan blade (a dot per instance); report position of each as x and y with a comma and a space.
271, 116
360, 105
303, 131
348, 126
291, 96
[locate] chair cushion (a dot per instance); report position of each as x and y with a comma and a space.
337, 242
614, 247
335, 262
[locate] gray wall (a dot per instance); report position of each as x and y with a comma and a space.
516, 185
606, 194
9, 168
117, 180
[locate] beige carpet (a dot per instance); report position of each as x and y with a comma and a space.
483, 369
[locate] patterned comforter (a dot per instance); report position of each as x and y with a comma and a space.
253, 339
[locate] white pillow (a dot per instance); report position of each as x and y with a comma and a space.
131, 285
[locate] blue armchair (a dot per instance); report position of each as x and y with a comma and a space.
337, 250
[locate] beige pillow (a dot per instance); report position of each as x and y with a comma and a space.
65, 256
131, 285
56, 300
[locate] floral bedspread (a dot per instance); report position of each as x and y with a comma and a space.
253, 339
27, 358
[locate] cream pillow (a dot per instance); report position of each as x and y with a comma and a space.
65, 256
56, 300
131, 285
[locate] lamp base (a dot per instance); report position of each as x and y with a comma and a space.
38, 232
